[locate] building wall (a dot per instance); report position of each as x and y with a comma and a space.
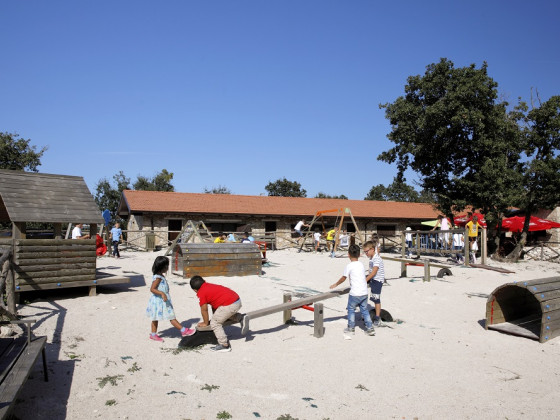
140, 224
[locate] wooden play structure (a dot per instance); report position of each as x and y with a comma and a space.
340, 214
194, 232
445, 270
38, 264
224, 259
17, 358
528, 309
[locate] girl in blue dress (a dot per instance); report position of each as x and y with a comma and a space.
160, 306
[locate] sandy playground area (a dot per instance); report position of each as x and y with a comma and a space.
436, 362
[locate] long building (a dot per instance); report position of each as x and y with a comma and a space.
167, 212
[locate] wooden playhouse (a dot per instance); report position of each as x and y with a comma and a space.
528, 308
55, 262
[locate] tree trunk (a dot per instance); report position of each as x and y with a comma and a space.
516, 253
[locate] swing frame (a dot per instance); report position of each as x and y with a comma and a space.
340, 213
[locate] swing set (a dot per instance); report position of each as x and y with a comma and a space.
341, 213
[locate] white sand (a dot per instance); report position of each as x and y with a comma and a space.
438, 363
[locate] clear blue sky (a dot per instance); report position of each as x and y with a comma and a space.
240, 93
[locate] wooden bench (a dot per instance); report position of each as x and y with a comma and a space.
17, 358
426, 263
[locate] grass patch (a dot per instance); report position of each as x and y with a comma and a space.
109, 380
72, 356
209, 388
286, 417
134, 368
111, 402
362, 388
223, 415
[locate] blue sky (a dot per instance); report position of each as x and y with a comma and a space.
240, 93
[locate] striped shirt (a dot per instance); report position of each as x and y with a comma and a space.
376, 261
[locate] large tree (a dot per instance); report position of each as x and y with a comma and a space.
160, 182
540, 165
108, 195
396, 191
450, 128
17, 153
284, 188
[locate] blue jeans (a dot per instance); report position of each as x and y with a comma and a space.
353, 302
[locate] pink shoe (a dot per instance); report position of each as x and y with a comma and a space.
187, 332
156, 337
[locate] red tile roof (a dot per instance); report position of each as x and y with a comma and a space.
175, 202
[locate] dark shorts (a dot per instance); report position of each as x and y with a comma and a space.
376, 287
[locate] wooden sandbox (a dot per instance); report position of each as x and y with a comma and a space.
207, 260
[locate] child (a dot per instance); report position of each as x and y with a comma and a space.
376, 277
159, 305
458, 244
358, 291
317, 239
225, 304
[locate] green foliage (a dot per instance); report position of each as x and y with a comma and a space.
160, 182
209, 388
109, 380
450, 128
110, 402
323, 195
284, 188
107, 195
396, 191
17, 154
220, 189
223, 415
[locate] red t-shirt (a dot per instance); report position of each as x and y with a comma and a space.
216, 295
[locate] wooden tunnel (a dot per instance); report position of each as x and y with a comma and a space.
207, 260
529, 309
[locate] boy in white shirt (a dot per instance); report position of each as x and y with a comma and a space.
358, 291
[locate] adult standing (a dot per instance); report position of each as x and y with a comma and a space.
116, 234
443, 224
77, 232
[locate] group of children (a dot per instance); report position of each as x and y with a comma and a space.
225, 303
358, 295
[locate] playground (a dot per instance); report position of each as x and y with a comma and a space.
435, 360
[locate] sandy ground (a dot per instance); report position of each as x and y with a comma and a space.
437, 362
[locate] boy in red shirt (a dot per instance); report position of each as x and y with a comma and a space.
224, 302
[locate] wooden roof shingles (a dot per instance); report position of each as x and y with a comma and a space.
47, 198
173, 202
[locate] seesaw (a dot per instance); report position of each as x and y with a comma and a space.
205, 335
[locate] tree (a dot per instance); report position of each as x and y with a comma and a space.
396, 191
108, 196
323, 195
285, 188
217, 190
541, 166
450, 128
160, 182
17, 154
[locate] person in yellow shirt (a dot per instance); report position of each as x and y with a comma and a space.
472, 231
221, 238
331, 234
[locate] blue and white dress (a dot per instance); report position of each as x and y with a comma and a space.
157, 309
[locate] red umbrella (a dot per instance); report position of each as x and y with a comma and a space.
463, 219
515, 224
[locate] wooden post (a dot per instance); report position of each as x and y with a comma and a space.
58, 231
483, 246
18, 230
11, 291
319, 331
403, 249
288, 312
426, 269
467, 247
